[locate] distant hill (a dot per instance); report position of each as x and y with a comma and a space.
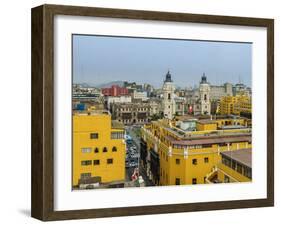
109, 84
102, 85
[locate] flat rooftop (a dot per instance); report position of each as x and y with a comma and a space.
207, 121
213, 140
117, 125
243, 156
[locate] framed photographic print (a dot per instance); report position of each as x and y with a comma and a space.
141, 112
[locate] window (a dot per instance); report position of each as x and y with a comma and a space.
206, 160
96, 150
117, 135
178, 161
86, 150
169, 96
104, 149
114, 149
248, 172
96, 162
226, 179
94, 136
194, 161
86, 162
205, 179
178, 181
109, 161
85, 175
194, 181
226, 161
233, 165
239, 168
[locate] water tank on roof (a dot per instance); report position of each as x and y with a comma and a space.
80, 107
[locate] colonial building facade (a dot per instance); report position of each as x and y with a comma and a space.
131, 113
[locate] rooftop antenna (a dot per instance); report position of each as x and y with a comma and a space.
240, 80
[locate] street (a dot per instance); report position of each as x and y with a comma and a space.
133, 155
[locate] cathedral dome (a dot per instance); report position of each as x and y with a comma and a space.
168, 77
203, 79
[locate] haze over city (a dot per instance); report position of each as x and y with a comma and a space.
103, 59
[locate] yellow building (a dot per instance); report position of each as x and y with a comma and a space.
206, 124
243, 105
235, 105
172, 156
235, 166
98, 149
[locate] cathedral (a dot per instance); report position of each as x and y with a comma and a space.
200, 106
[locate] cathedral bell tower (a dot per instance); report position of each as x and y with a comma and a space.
204, 90
168, 96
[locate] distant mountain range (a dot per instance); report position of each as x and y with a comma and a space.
102, 85
109, 84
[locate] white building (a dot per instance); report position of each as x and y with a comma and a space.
118, 99
219, 91
140, 95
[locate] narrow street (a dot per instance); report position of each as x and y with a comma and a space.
131, 131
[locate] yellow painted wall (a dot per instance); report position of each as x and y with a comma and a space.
235, 104
233, 175
185, 171
83, 126
205, 126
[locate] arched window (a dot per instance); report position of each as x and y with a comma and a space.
205, 96
104, 149
169, 96
114, 149
96, 150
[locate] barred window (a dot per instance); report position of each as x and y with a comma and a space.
96, 162
117, 135
85, 175
86, 150
94, 136
109, 161
86, 162
194, 161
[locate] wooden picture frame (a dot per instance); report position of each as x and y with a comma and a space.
42, 203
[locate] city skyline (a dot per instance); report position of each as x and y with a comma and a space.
152, 58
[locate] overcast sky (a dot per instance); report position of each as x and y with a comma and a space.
100, 59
